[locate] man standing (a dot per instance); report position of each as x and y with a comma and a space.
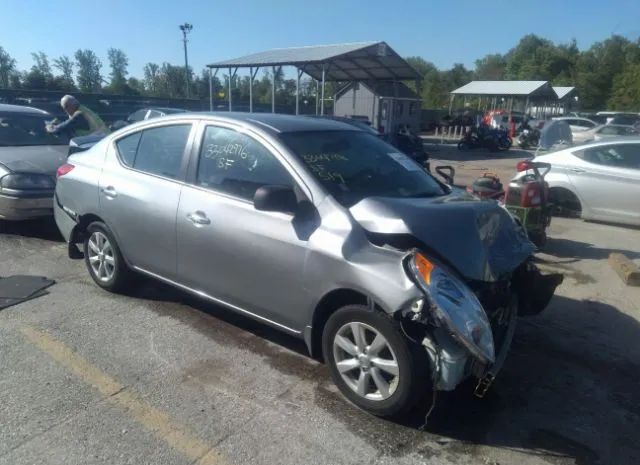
81, 120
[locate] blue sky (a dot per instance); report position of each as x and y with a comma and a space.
444, 32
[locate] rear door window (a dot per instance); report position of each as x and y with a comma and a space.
157, 151
127, 148
617, 156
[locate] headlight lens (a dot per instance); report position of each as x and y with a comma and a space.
24, 181
455, 306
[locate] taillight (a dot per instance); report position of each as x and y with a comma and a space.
64, 169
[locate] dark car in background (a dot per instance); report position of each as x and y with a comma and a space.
78, 144
29, 158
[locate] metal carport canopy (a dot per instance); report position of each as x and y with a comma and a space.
359, 61
507, 88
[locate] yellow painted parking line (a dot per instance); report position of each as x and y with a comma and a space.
154, 420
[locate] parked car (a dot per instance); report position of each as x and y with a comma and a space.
599, 180
610, 115
603, 132
401, 283
78, 144
625, 120
152, 112
576, 124
29, 157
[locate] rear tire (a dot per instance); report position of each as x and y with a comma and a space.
379, 370
104, 260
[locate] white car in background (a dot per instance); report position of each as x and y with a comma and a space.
605, 131
577, 124
598, 181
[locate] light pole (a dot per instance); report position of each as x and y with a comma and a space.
186, 29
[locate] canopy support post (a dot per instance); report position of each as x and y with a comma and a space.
322, 97
210, 89
299, 75
250, 89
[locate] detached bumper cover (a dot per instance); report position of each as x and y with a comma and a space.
25, 208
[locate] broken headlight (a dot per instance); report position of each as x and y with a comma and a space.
454, 306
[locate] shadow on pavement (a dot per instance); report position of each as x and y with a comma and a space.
44, 228
567, 394
566, 248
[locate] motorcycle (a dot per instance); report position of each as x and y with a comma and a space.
484, 137
529, 138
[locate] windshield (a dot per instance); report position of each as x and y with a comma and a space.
27, 129
354, 165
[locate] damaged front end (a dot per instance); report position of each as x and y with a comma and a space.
467, 327
473, 264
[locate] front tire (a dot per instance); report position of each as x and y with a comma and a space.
373, 364
104, 260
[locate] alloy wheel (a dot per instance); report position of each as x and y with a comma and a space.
101, 257
366, 362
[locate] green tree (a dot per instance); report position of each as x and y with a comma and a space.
598, 67
431, 87
491, 68
152, 78
64, 64
40, 76
7, 68
89, 65
625, 93
119, 63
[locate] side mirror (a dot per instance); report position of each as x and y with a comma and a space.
275, 199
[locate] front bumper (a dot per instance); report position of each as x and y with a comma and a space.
25, 208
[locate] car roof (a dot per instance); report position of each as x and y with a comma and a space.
5, 107
166, 109
608, 141
271, 122
562, 118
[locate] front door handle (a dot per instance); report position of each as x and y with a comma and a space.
198, 218
109, 191
576, 170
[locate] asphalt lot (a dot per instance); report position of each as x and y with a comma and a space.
159, 377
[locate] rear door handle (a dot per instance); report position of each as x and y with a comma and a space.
198, 218
576, 170
109, 191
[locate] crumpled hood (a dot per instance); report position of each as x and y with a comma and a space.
41, 159
478, 238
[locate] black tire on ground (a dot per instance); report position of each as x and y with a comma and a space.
414, 379
122, 275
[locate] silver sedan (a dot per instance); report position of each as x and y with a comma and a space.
600, 180
318, 229
29, 157
605, 131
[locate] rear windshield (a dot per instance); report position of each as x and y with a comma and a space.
27, 129
354, 165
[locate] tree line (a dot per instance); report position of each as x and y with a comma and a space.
607, 75
84, 72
